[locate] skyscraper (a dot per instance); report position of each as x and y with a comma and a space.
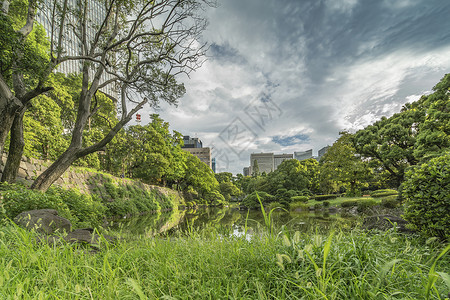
71, 39
303, 155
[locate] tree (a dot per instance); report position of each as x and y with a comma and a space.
342, 167
199, 177
391, 141
419, 132
150, 153
255, 169
433, 138
290, 175
224, 177
24, 68
426, 192
312, 173
138, 46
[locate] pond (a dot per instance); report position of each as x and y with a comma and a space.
227, 219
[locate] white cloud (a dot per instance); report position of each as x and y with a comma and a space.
326, 71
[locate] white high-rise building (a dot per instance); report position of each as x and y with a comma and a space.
71, 44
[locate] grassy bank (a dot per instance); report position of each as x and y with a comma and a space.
205, 265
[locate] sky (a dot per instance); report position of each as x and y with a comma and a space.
289, 75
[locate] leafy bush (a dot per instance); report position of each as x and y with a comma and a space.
274, 205
325, 197
383, 193
303, 199
390, 201
318, 206
295, 205
251, 201
349, 203
326, 203
80, 209
364, 204
426, 192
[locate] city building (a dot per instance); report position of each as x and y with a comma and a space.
303, 155
279, 158
213, 164
192, 142
262, 162
322, 152
246, 171
71, 44
204, 154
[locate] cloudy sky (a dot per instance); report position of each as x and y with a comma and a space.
288, 75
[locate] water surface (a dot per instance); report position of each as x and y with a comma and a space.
227, 220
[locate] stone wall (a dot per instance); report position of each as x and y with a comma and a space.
83, 179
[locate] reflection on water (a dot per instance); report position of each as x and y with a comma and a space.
237, 222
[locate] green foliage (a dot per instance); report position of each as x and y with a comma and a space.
215, 198
365, 204
312, 174
129, 198
34, 54
434, 132
390, 201
82, 210
383, 193
342, 169
229, 190
349, 203
325, 197
318, 206
302, 199
326, 203
274, 205
419, 132
298, 205
426, 192
251, 201
224, 177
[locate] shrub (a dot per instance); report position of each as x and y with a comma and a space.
251, 201
326, 203
318, 206
295, 205
80, 209
364, 204
390, 201
274, 205
303, 199
383, 193
325, 197
426, 192
349, 203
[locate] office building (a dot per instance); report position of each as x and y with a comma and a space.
279, 158
204, 154
191, 142
322, 152
262, 162
71, 44
213, 164
246, 171
303, 155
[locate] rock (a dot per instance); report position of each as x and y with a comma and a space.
384, 222
44, 221
87, 236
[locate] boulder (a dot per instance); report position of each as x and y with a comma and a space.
384, 222
87, 236
44, 221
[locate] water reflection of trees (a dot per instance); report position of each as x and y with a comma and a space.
227, 220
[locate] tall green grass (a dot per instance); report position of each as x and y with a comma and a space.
211, 265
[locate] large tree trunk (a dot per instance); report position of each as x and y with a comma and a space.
49, 176
15, 149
